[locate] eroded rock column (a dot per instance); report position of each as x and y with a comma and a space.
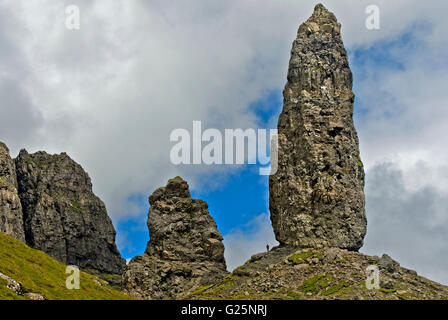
316, 196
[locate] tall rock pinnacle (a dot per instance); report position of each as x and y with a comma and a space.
185, 249
62, 215
316, 197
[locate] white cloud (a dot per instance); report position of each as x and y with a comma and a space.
401, 133
411, 226
242, 242
110, 93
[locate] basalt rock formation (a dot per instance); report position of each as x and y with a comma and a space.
185, 249
61, 214
317, 195
287, 273
11, 217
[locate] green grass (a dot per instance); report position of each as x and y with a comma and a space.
312, 284
300, 257
39, 273
335, 288
294, 295
387, 290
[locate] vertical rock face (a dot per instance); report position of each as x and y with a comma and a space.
316, 196
11, 217
185, 249
62, 215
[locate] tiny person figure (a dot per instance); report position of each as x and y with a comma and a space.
267, 247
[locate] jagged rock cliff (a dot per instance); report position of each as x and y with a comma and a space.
316, 197
62, 215
185, 249
11, 217
30, 274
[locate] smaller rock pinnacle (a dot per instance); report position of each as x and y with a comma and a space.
185, 250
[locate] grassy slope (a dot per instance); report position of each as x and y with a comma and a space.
39, 273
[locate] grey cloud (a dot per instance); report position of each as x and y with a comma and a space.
19, 120
409, 225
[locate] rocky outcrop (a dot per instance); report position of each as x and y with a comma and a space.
11, 217
316, 196
287, 273
62, 216
185, 249
17, 288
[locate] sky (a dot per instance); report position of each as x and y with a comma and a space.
110, 94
